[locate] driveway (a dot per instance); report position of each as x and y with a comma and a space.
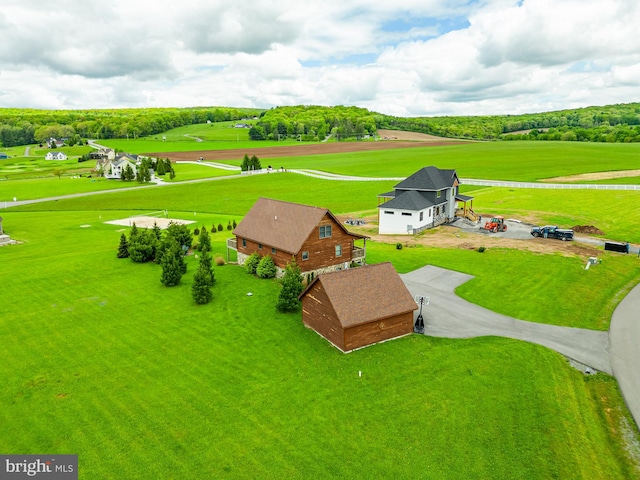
450, 316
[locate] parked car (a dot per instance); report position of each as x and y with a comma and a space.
552, 231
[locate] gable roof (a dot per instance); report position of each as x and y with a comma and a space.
410, 200
282, 225
429, 179
365, 294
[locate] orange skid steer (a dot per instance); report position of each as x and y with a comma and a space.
496, 224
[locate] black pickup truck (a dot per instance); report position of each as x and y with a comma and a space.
552, 231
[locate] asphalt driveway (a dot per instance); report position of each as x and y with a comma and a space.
450, 316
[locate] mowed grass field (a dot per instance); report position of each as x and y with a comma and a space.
213, 136
101, 360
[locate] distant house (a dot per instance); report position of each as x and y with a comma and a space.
114, 169
426, 199
358, 307
53, 143
55, 156
313, 235
103, 153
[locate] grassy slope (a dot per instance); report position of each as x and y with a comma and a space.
105, 362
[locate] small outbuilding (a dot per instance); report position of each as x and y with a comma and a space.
358, 307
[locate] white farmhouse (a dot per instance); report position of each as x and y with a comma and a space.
425, 199
55, 156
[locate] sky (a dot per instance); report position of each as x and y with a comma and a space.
401, 57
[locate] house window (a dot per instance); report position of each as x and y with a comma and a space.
305, 255
273, 251
439, 194
388, 212
338, 250
259, 246
244, 242
421, 216
406, 214
325, 231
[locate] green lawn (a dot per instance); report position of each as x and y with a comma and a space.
100, 360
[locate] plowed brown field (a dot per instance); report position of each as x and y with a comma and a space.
300, 150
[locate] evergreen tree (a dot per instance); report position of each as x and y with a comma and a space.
204, 241
181, 233
266, 267
157, 231
251, 264
123, 248
200, 291
206, 267
172, 173
255, 163
160, 168
220, 227
128, 174
142, 246
291, 288
245, 163
171, 271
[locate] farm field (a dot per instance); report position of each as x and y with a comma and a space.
101, 360
233, 389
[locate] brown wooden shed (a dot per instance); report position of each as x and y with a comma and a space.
358, 307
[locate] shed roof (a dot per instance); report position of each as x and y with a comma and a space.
282, 225
365, 294
429, 179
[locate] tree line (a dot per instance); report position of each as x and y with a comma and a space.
29, 126
314, 123
611, 123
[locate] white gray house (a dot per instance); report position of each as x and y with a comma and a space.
426, 199
55, 156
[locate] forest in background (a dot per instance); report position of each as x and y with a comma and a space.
28, 126
611, 123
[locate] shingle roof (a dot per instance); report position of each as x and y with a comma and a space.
428, 179
282, 225
365, 294
410, 200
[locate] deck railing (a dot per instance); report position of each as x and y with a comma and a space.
232, 243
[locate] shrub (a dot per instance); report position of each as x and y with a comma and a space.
196, 232
220, 227
398, 246
266, 268
229, 227
481, 249
219, 261
252, 263
234, 224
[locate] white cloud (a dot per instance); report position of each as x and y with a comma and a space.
408, 57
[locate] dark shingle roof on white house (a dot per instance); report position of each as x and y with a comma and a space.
429, 179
